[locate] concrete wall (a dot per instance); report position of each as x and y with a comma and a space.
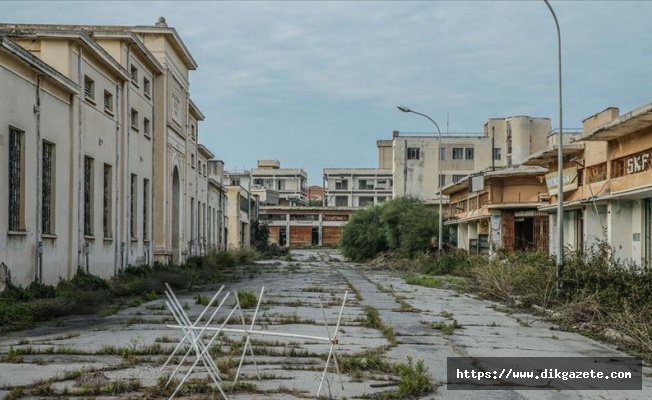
18, 249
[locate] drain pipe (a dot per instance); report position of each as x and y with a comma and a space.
80, 165
115, 178
128, 164
38, 270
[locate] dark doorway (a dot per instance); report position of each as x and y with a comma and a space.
315, 236
523, 233
282, 234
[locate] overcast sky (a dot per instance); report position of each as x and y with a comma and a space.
315, 84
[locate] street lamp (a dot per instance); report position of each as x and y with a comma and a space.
560, 162
441, 215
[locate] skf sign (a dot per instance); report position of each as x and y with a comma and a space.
638, 163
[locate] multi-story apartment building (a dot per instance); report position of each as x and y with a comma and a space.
423, 163
120, 153
356, 187
290, 183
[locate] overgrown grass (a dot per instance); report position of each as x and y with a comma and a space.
373, 320
247, 298
598, 295
423, 280
88, 294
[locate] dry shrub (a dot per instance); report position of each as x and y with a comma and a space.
526, 278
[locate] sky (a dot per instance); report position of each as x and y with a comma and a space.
314, 84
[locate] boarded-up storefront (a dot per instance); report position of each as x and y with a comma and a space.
331, 235
274, 235
300, 236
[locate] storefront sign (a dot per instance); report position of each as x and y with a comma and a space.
638, 163
569, 180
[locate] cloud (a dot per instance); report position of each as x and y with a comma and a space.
315, 83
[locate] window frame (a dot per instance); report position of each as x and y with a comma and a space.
16, 180
107, 194
134, 75
413, 153
89, 184
89, 89
458, 153
108, 102
48, 186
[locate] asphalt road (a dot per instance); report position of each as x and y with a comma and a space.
120, 356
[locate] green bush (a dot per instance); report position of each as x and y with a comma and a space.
403, 226
409, 225
247, 298
220, 259
364, 236
413, 379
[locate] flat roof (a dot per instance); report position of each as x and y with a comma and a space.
634, 121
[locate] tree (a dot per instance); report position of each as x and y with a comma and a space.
260, 236
363, 236
405, 226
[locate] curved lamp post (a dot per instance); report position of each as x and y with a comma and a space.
441, 215
560, 164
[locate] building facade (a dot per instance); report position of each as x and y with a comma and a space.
289, 183
305, 226
607, 186
357, 187
109, 155
423, 163
498, 209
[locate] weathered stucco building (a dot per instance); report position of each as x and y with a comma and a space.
357, 187
498, 209
305, 226
611, 199
104, 166
423, 163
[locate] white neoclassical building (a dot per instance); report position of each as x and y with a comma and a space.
104, 167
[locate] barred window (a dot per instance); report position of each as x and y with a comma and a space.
133, 218
145, 208
134, 119
147, 89
47, 188
146, 126
89, 88
458, 153
468, 153
88, 196
134, 75
108, 101
106, 205
16, 184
